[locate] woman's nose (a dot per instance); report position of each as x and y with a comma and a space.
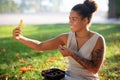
70, 22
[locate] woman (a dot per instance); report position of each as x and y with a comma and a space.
85, 49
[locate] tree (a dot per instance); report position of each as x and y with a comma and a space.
8, 6
114, 11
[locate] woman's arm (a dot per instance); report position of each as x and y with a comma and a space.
37, 45
92, 65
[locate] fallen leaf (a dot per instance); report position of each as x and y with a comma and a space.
21, 60
63, 67
2, 50
103, 74
52, 59
26, 69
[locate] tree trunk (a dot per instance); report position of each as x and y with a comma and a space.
114, 11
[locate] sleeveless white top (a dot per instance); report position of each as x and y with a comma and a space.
76, 71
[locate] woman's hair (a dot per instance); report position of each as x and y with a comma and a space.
86, 9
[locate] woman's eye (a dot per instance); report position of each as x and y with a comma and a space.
74, 19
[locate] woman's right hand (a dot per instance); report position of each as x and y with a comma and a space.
17, 32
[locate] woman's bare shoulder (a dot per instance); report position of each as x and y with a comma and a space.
64, 37
100, 41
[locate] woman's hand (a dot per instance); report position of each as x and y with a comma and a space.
17, 32
65, 51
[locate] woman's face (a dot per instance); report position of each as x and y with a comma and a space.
76, 22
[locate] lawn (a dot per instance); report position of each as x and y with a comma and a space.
20, 62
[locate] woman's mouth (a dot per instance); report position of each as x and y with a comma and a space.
71, 27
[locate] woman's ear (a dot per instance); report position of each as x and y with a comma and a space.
86, 21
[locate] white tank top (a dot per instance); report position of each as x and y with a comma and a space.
75, 70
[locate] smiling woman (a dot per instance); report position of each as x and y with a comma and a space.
84, 48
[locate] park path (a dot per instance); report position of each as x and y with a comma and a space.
49, 18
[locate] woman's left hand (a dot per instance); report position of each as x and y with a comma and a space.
65, 51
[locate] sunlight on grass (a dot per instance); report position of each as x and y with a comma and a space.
20, 62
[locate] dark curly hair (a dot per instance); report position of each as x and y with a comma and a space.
86, 9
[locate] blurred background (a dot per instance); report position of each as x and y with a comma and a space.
53, 11
43, 20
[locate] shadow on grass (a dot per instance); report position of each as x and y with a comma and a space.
14, 55
12, 51
9, 46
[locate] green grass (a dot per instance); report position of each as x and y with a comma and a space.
14, 56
